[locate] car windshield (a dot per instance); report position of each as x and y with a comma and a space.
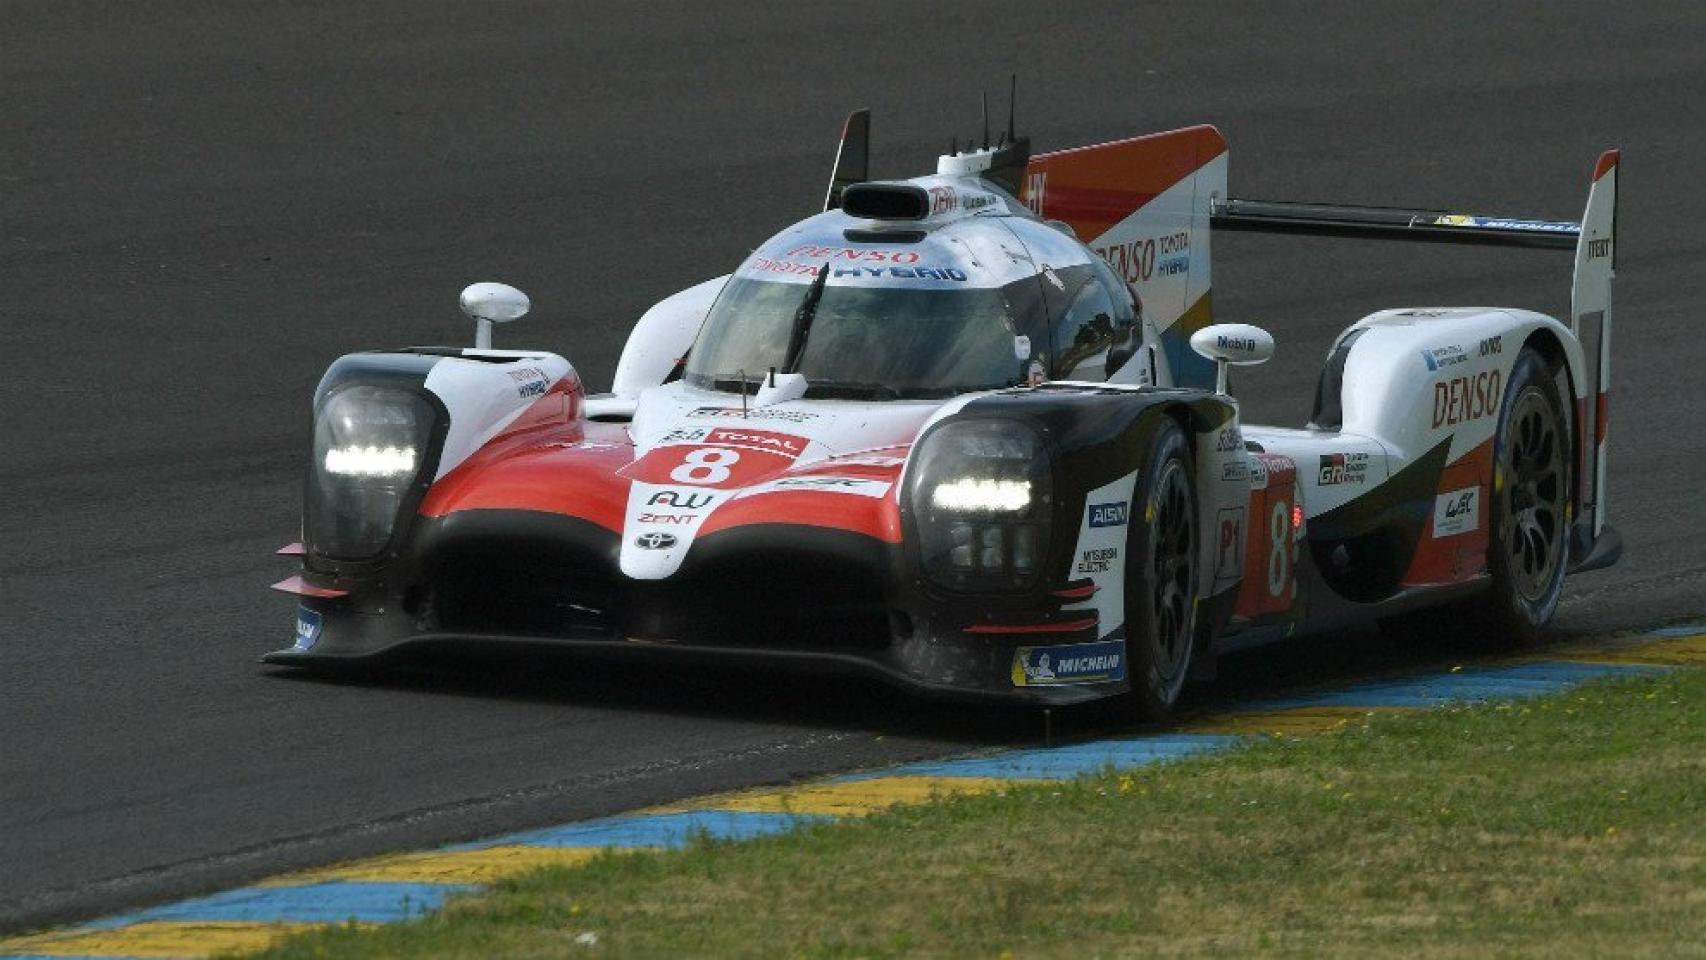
863, 342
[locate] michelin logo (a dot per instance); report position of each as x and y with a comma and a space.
1069, 663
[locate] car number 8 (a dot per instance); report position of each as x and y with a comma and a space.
1278, 555
705, 465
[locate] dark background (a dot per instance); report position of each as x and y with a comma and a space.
203, 204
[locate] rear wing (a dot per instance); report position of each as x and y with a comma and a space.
1594, 241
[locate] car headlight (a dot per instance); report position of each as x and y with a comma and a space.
979, 491
369, 445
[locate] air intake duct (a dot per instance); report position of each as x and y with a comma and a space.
885, 201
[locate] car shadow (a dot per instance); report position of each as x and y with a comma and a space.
856, 703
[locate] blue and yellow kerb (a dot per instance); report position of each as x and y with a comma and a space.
402, 886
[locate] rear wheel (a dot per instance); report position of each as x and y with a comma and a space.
1161, 575
1528, 532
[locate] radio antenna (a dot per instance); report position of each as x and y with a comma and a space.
1012, 110
985, 96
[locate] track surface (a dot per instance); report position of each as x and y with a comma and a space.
201, 205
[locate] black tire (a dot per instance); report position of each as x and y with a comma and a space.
1161, 575
1527, 528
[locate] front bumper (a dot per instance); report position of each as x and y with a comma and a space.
777, 597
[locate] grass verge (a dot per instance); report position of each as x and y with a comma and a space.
1571, 825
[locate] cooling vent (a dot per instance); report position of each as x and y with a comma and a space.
885, 201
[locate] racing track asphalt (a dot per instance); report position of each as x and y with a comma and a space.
202, 204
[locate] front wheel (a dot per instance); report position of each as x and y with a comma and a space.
1161, 575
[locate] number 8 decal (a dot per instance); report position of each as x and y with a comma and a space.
705, 465
1279, 556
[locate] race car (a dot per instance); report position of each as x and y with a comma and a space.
970, 432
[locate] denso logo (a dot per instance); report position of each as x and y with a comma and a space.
1107, 514
1463, 399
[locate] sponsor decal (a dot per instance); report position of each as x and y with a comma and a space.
1228, 439
1235, 470
1444, 357
666, 518
764, 413
655, 540
814, 251
767, 265
859, 486
524, 374
1464, 399
1069, 663
307, 629
1240, 344
785, 444
1457, 512
1136, 261
1599, 249
1492, 346
1036, 374
1230, 544
1052, 277
942, 200
1337, 468
976, 201
868, 460
534, 389
1021, 347
686, 435
1108, 514
682, 499
1097, 560
1258, 473
905, 273
1504, 223
1035, 185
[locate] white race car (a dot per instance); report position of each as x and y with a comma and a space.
970, 432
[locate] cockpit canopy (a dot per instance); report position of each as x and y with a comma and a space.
888, 313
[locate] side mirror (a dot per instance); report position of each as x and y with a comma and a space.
1232, 343
489, 303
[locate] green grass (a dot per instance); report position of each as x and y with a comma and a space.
1573, 825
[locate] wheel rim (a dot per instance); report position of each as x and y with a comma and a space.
1172, 574
1533, 517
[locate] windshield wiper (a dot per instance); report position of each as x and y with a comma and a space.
802, 326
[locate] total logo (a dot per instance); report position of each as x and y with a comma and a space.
655, 540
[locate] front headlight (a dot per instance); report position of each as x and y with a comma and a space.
980, 495
369, 444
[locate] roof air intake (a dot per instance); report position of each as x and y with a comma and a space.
885, 201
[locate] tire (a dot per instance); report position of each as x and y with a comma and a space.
1528, 532
1161, 575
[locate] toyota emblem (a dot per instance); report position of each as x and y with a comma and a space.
655, 541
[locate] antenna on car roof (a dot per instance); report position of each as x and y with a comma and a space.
985, 96
1012, 109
